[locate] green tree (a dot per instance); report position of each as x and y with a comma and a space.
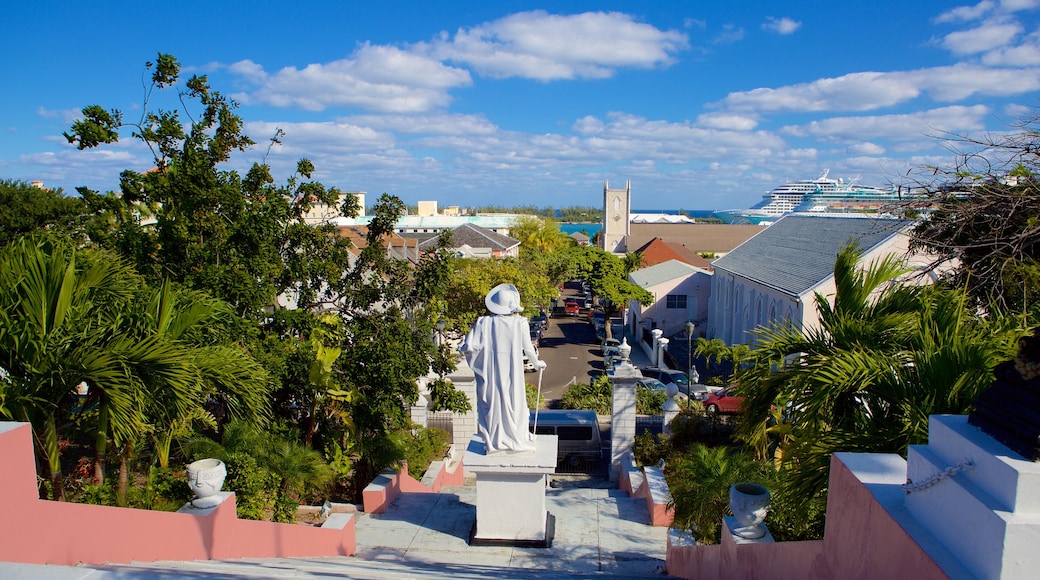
243, 239
538, 235
25, 208
472, 279
983, 215
59, 322
699, 482
608, 279
885, 356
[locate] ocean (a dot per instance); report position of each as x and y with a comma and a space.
592, 229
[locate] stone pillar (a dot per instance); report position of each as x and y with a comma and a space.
662, 347
418, 411
671, 408
464, 426
656, 333
623, 378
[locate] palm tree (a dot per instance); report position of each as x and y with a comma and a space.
59, 312
699, 481
68, 316
885, 356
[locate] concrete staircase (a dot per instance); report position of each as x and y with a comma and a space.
599, 533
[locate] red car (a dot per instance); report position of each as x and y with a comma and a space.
571, 308
723, 402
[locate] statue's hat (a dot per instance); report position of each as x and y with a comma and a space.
503, 299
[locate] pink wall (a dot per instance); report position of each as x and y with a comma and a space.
46, 532
861, 540
382, 492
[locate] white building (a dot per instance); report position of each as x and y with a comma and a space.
775, 274
681, 294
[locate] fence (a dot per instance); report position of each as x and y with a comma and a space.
442, 420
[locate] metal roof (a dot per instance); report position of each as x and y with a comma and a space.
797, 252
661, 273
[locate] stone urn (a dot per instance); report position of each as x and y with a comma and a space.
750, 504
205, 478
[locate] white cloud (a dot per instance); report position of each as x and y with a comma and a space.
66, 116
374, 78
1025, 54
248, 70
1017, 5
964, 13
547, 47
867, 148
727, 121
922, 125
868, 91
990, 35
439, 124
851, 92
781, 25
730, 33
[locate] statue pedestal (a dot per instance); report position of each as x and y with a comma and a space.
511, 494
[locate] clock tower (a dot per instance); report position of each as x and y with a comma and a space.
616, 209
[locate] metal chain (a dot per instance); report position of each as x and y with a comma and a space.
910, 487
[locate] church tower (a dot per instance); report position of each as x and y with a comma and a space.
616, 209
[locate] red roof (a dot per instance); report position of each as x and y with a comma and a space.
657, 251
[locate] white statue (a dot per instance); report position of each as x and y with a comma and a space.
494, 349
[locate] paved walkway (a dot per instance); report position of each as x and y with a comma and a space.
599, 533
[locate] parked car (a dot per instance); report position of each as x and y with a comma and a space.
578, 432
542, 320
723, 401
612, 345
656, 385
571, 308
666, 376
617, 328
528, 364
596, 318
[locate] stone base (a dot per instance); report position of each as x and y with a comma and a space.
732, 526
546, 542
191, 508
511, 494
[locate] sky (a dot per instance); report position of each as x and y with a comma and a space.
701, 105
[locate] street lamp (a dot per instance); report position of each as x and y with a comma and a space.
440, 331
691, 370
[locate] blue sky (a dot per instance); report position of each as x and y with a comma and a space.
702, 105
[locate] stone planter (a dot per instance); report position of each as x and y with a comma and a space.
205, 478
750, 504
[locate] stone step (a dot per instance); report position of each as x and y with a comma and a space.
343, 567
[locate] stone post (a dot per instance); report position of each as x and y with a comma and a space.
623, 378
418, 411
662, 347
671, 408
464, 426
656, 333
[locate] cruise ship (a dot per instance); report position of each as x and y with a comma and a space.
820, 195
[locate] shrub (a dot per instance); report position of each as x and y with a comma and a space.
532, 394
97, 494
445, 397
699, 482
649, 401
596, 396
649, 449
253, 485
426, 445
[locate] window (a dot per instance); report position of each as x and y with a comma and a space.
675, 301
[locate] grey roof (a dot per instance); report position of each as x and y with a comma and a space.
663, 272
475, 236
798, 251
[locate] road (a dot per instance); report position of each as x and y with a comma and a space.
571, 351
